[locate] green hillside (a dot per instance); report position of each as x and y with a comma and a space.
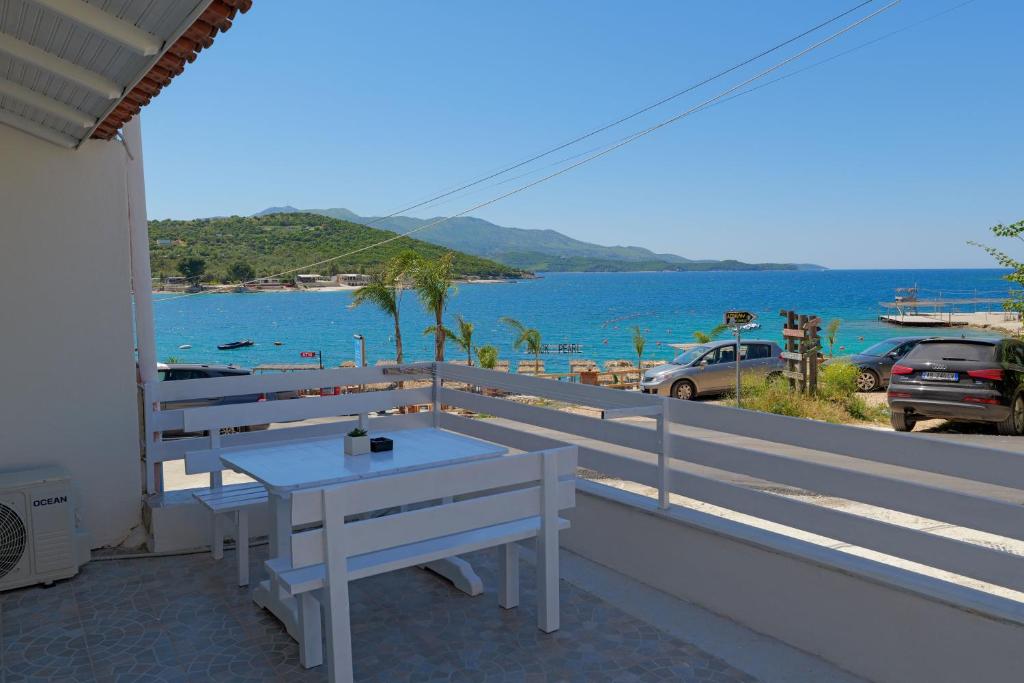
539, 250
275, 243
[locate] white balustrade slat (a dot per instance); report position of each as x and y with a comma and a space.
177, 448
214, 387
928, 454
600, 397
974, 512
952, 555
630, 436
623, 467
200, 419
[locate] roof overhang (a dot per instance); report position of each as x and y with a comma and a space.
71, 70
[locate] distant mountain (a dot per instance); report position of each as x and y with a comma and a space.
543, 250
278, 242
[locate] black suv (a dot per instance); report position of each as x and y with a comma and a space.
976, 380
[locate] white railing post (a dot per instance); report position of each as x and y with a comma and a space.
153, 470
664, 455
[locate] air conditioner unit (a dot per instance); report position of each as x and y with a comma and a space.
39, 540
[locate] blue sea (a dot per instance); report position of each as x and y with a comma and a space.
596, 311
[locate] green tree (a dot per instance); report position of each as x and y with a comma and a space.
1015, 301
241, 271
831, 333
385, 292
705, 337
463, 338
432, 280
192, 267
527, 338
639, 342
487, 355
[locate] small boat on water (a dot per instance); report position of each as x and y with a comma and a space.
235, 344
185, 346
278, 343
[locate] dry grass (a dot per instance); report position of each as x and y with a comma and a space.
836, 401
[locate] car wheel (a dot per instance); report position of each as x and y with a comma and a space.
867, 380
774, 377
1013, 425
902, 422
684, 390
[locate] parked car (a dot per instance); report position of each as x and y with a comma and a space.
877, 360
181, 371
976, 380
710, 368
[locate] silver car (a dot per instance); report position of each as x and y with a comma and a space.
711, 368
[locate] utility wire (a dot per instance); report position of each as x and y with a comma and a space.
607, 150
623, 119
722, 101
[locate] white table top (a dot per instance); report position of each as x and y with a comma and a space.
308, 463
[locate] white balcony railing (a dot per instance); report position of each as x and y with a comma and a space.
845, 464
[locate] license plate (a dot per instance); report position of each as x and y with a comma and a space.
941, 376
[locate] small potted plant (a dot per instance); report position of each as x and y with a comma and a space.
357, 442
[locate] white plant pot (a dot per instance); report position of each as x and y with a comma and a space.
357, 445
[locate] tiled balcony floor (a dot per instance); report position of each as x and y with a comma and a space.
183, 619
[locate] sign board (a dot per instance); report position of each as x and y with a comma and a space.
307, 354
734, 318
561, 348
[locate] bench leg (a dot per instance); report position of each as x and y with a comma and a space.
311, 651
242, 546
339, 633
508, 575
217, 543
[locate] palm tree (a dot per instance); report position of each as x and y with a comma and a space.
639, 342
463, 338
526, 337
385, 292
705, 337
831, 332
432, 280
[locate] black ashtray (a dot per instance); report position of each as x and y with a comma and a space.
381, 443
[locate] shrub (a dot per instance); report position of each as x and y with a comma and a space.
836, 401
837, 381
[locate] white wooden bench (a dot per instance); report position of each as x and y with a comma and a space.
229, 506
484, 504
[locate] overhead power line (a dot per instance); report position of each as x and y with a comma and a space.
623, 119
607, 150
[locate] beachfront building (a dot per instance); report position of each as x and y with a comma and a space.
353, 279
176, 283
313, 280
681, 511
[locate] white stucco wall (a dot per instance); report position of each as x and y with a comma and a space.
67, 370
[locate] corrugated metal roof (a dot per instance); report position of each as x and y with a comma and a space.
74, 69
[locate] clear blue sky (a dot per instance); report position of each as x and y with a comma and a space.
892, 156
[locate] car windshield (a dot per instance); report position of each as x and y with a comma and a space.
879, 349
687, 357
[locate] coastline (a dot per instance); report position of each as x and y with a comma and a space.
229, 289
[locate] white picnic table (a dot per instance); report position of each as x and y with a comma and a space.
289, 466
